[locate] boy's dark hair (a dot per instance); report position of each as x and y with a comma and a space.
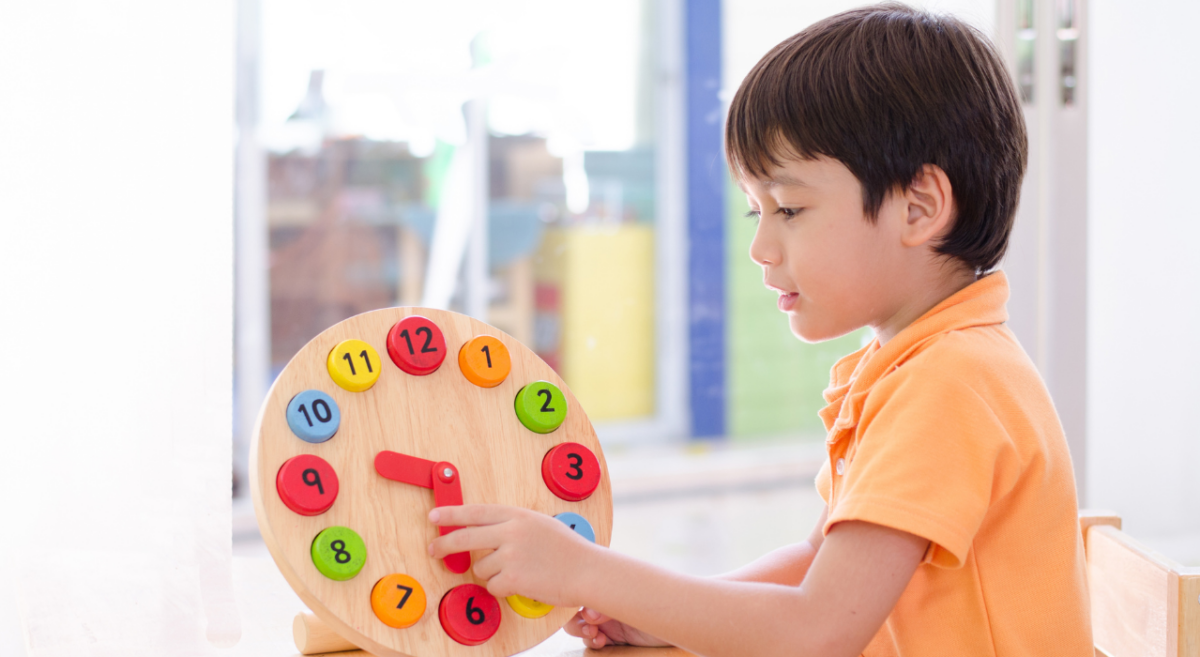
885, 90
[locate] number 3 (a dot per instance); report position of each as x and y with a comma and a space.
576, 461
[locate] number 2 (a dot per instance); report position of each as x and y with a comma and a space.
548, 395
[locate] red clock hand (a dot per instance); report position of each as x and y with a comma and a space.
405, 469
447, 491
442, 477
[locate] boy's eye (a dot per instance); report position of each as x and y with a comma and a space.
789, 212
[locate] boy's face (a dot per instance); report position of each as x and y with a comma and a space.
835, 271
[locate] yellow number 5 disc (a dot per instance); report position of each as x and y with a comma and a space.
354, 365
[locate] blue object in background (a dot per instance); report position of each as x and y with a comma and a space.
514, 228
313, 416
578, 524
706, 218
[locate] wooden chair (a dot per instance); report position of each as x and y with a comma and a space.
1143, 604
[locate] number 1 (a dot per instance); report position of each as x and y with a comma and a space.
488, 354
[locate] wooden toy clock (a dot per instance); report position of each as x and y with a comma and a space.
380, 418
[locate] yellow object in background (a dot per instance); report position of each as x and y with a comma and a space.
528, 608
607, 280
354, 365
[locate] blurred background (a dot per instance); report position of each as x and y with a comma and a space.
218, 184
551, 168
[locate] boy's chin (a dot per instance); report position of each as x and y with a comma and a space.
811, 331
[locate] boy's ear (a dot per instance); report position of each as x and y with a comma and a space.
930, 203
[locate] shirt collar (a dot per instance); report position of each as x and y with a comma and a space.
981, 303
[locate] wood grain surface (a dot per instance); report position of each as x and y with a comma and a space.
313, 639
1130, 588
440, 417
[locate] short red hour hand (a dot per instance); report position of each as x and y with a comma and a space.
404, 468
442, 477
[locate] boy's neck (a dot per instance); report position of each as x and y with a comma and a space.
921, 299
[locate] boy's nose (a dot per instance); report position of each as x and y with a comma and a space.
759, 253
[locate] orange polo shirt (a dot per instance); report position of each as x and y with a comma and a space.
948, 432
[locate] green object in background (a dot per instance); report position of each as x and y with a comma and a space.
541, 406
436, 168
774, 381
339, 553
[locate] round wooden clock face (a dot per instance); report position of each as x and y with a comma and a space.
380, 418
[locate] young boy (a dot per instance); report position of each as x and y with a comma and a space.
882, 151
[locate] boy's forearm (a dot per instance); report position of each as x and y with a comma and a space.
709, 616
786, 566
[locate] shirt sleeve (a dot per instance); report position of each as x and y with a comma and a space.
925, 462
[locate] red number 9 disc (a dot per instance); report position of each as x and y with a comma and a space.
571, 471
469, 614
307, 484
416, 345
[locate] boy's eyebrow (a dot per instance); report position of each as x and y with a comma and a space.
784, 179
781, 180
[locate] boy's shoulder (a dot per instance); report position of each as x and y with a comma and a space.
982, 357
979, 375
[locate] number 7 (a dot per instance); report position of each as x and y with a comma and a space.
407, 592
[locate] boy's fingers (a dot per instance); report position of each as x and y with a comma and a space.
576, 626
487, 567
571, 627
471, 514
594, 617
463, 540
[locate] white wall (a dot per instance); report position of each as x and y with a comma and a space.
752, 27
116, 297
1144, 440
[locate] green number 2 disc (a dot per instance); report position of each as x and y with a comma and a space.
339, 553
541, 406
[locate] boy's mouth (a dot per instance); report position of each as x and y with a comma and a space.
787, 300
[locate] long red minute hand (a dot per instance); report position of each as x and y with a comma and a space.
442, 477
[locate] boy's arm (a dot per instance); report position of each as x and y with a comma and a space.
786, 565
856, 578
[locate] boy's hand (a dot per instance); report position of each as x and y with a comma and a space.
533, 555
598, 630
